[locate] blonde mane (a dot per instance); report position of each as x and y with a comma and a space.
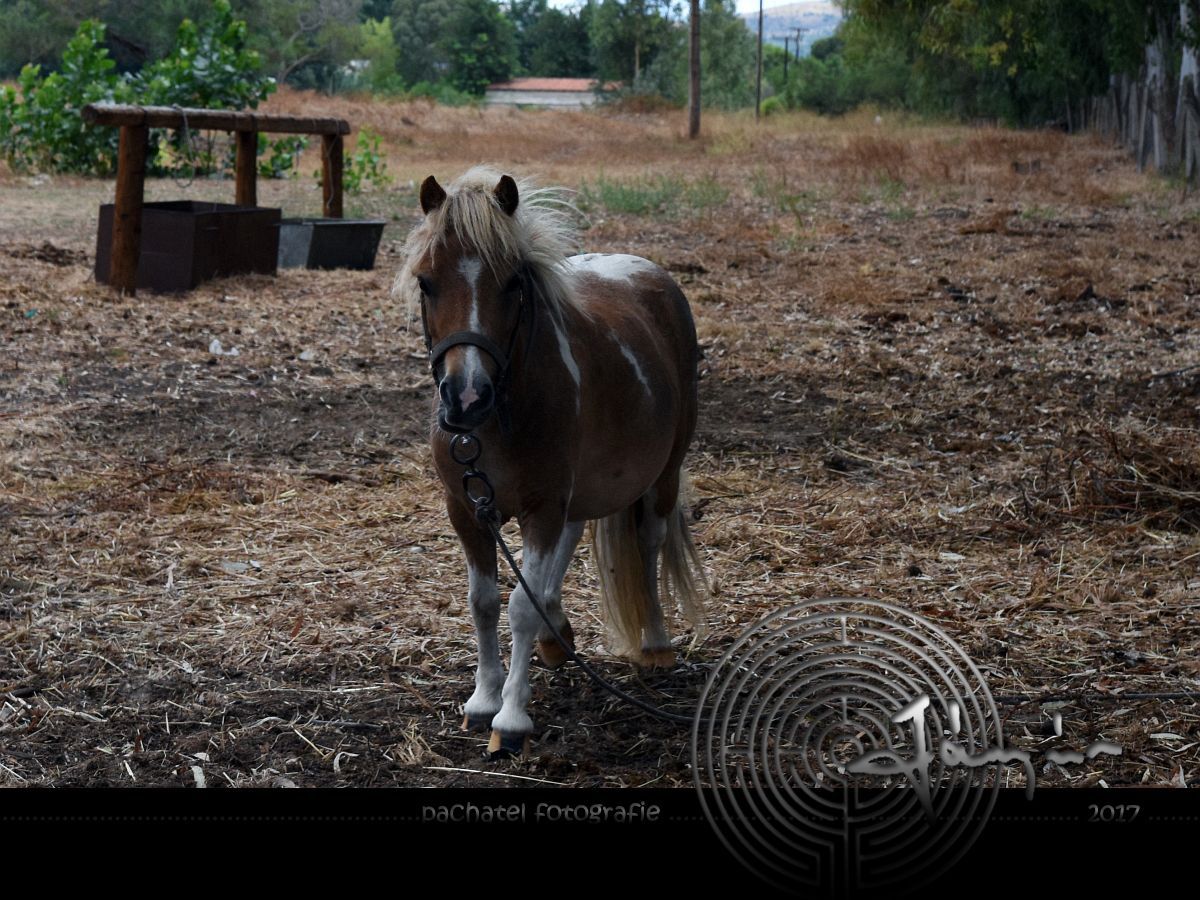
541, 234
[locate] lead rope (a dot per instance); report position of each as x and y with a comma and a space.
466, 449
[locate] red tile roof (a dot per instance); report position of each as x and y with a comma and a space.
545, 84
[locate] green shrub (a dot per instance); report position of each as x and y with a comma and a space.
367, 164
664, 196
42, 129
209, 67
278, 158
440, 92
772, 106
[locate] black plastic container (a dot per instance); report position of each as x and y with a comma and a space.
329, 243
185, 242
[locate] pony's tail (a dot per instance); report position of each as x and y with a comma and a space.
623, 599
682, 575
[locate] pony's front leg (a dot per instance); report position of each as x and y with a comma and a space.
484, 598
547, 554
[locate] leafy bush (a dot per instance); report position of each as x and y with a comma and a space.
439, 92
209, 67
772, 106
278, 158
367, 164
42, 130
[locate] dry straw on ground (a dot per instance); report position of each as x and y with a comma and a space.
951, 368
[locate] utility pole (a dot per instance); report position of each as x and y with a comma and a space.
758, 77
694, 72
786, 39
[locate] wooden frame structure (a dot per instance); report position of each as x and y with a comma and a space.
135, 123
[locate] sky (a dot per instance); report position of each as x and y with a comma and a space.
743, 6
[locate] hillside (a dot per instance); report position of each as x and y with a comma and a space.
816, 18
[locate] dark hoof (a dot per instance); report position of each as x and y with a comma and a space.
551, 652
662, 658
508, 746
476, 723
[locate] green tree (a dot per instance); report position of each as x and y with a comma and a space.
480, 46
136, 31
210, 67
1022, 60
378, 47
43, 130
30, 34
727, 60
627, 36
305, 42
525, 14
728, 57
417, 27
560, 45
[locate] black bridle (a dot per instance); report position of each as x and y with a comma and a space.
502, 358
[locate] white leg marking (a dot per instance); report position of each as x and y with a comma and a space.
484, 598
470, 267
544, 571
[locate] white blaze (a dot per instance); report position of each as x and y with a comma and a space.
469, 267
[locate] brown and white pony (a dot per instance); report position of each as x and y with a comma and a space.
579, 376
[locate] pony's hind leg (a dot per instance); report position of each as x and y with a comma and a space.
551, 652
657, 651
483, 597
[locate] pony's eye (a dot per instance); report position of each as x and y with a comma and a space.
513, 286
424, 285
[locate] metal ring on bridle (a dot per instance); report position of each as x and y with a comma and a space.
468, 443
487, 498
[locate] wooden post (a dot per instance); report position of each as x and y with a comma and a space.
246, 168
694, 71
331, 172
758, 75
127, 208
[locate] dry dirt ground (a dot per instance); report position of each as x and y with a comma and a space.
953, 369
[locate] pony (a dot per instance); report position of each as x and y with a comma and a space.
578, 375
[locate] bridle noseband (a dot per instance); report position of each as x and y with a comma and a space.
502, 358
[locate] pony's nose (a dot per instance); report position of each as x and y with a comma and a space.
476, 395
466, 403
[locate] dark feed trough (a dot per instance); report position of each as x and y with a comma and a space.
329, 243
185, 242
198, 240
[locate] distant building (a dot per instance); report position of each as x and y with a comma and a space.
564, 93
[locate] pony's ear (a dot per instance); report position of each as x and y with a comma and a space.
506, 194
432, 195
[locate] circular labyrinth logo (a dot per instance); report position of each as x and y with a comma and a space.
841, 745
